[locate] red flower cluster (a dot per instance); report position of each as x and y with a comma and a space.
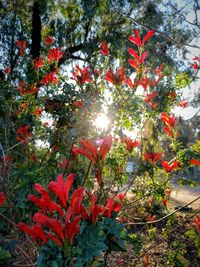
195, 65
37, 112
104, 49
78, 104
63, 228
54, 55
152, 157
49, 41
38, 63
94, 151
183, 104
170, 123
150, 98
27, 89
118, 78
81, 76
197, 222
136, 39
23, 133
138, 58
49, 78
22, 47
2, 198
130, 144
112, 205
170, 167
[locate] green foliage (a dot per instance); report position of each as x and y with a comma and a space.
195, 237
182, 80
116, 235
50, 256
176, 255
136, 242
91, 243
4, 256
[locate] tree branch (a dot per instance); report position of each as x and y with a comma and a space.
167, 37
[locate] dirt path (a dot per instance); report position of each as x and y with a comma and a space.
182, 195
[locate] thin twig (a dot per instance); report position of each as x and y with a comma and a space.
157, 31
165, 217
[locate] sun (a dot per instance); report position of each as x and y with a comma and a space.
102, 121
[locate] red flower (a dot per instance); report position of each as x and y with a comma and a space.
63, 164
54, 54
168, 192
81, 76
130, 144
78, 104
76, 200
44, 202
134, 64
170, 167
2, 198
26, 89
105, 146
51, 223
172, 95
61, 188
54, 238
23, 133
94, 151
169, 121
197, 222
49, 78
149, 99
195, 162
38, 63
72, 228
37, 112
104, 49
118, 78
152, 157
168, 130
196, 58
111, 206
36, 231
139, 59
98, 175
195, 66
164, 201
7, 70
49, 41
183, 104
137, 40
151, 218
59, 234
95, 210
22, 47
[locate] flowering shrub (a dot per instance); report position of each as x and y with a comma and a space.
66, 220
53, 132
